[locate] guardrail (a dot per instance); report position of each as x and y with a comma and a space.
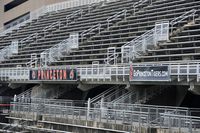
82, 113
32, 37
88, 31
141, 115
59, 50
49, 102
153, 110
107, 73
138, 46
104, 94
183, 123
9, 51
115, 16
53, 25
73, 15
139, 3
103, 72
186, 15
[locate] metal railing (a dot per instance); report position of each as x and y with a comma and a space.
186, 15
108, 72
153, 110
120, 91
97, 72
139, 3
90, 30
129, 97
82, 113
132, 114
32, 37
57, 51
182, 123
70, 4
14, 74
139, 46
33, 62
117, 15
9, 51
111, 56
59, 102
103, 94
24, 94
50, 27
75, 13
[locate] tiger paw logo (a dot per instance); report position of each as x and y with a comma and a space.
33, 75
131, 72
71, 75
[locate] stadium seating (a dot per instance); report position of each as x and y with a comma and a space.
94, 47
183, 46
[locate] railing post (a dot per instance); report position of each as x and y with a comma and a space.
88, 107
197, 72
190, 125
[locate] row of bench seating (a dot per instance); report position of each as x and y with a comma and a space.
94, 47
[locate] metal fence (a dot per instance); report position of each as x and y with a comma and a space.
82, 113
106, 72
139, 115
152, 110
59, 102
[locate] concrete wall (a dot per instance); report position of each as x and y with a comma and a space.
28, 6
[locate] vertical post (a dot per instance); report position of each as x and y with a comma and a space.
179, 125
190, 126
193, 17
108, 24
171, 28
125, 14
197, 73
88, 108
101, 106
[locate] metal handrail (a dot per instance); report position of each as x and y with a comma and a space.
8, 51
10, 74
112, 57
183, 17
73, 15
98, 97
93, 28
115, 16
57, 51
49, 27
122, 97
186, 15
106, 114
32, 36
114, 94
139, 3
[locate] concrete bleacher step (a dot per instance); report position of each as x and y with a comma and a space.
134, 26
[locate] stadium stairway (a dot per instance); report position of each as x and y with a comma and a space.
109, 95
56, 36
96, 16
95, 49
183, 46
45, 25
